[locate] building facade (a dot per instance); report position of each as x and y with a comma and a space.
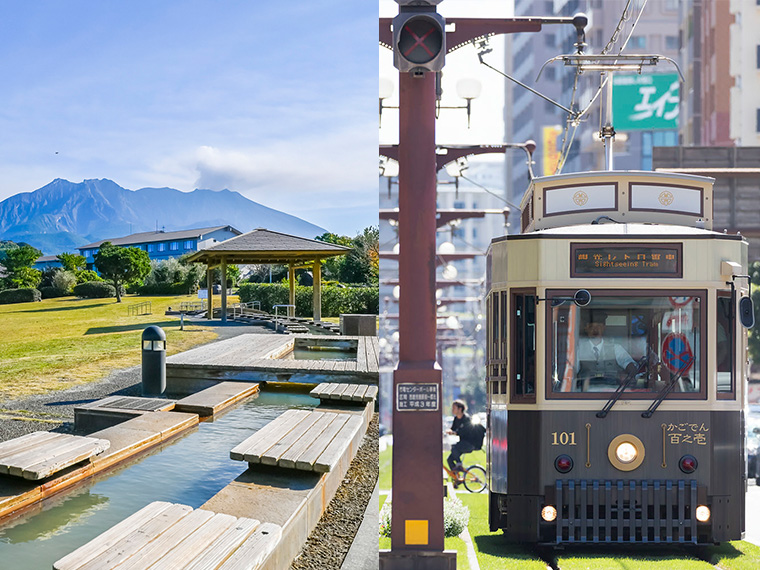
164, 245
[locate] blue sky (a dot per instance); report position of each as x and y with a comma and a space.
276, 100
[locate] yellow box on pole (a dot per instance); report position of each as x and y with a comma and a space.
416, 532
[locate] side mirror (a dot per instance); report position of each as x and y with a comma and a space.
746, 312
582, 297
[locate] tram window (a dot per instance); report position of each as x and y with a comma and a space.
523, 346
725, 341
654, 339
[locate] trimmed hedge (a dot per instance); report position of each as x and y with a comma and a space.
22, 295
53, 292
95, 290
335, 300
164, 289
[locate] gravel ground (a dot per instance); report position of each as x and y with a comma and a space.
55, 411
330, 541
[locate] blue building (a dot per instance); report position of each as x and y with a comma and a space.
163, 245
46, 262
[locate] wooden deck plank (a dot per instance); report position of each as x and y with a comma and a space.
310, 455
167, 540
223, 546
103, 542
260, 441
358, 395
254, 551
13, 446
137, 539
337, 447
348, 393
319, 389
61, 461
272, 455
361, 355
14, 464
371, 393
289, 458
196, 543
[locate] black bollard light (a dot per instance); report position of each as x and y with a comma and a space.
153, 361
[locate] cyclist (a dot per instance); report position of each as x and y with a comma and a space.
470, 437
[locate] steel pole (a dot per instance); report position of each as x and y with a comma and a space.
417, 517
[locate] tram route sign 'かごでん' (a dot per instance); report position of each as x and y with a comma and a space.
647, 260
417, 397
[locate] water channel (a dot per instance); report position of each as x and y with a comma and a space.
189, 470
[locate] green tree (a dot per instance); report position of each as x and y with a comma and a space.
18, 266
332, 265
72, 262
361, 264
121, 265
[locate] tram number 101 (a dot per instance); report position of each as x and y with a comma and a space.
563, 438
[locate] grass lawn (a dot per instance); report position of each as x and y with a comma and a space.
59, 343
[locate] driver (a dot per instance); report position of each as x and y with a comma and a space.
600, 357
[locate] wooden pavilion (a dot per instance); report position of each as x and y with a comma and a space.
262, 246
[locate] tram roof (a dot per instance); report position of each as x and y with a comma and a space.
623, 231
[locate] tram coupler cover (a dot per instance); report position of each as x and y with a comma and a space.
153, 361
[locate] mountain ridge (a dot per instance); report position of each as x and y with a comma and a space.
63, 215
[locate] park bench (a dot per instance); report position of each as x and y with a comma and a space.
166, 536
337, 392
41, 454
306, 440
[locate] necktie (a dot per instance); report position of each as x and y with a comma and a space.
596, 353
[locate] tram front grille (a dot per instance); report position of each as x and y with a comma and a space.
626, 511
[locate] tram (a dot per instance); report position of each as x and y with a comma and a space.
617, 364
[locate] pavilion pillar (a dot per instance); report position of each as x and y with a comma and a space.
292, 286
224, 290
210, 293
317, 287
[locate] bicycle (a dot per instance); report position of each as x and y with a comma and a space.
473, 478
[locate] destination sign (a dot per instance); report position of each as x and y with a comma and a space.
416, 397
649, 260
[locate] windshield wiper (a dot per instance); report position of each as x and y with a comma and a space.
620, 389
667, 389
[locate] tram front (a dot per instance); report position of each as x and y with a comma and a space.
617, 366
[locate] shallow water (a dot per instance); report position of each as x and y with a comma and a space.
189, 470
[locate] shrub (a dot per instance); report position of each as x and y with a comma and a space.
22, 295
335, 300
64, 280
456, 517
162, 289
51, 292
87, 275
94, 290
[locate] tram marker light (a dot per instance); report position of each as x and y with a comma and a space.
703, 513
582, 297
688, 464
419, 37
549, 513
563, 463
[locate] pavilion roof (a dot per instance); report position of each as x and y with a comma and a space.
268, 247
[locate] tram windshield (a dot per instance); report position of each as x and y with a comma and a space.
653, 339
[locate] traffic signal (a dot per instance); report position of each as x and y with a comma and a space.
419, 37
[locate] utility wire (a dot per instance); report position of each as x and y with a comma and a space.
494, 194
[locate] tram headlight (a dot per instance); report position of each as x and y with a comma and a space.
626, 452
549, 513
703, 513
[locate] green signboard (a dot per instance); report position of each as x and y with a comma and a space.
645, 102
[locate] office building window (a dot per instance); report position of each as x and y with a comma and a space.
757, 125
189, 244
174, 246
757, 62
671, 42
637, 42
